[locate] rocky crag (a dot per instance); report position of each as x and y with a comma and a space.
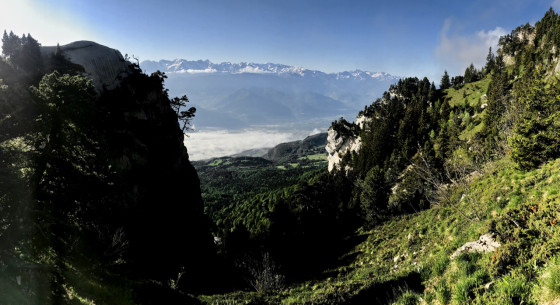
343, 139
156, 196
105, 66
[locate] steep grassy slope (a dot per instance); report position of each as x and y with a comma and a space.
407, 260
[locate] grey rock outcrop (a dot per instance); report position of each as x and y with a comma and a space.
106, 66
486, 243
338, 146
344, 138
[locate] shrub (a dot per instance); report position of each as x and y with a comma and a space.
263, 274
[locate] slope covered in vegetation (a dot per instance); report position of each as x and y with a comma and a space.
436, 169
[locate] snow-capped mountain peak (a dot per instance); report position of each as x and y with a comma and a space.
181, 66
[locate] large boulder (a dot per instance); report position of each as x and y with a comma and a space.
486, 243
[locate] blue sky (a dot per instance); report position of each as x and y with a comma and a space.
407, 38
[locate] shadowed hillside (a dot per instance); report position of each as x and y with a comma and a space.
99, 200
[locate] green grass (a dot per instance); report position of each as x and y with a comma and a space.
471, 97
469, 94
470, 133
511, 289
548, 288
443, 292
315, 157
408, 298
216, 162
523, 269
220, 162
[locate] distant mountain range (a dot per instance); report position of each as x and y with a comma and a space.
206, 66
244, 95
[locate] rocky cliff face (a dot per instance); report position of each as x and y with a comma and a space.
344, 138
156, 198
106, 66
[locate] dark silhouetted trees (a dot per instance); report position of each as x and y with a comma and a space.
24, 52
490, 61
445, 82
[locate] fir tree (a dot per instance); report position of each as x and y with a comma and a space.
535, 138
490, 61
445, 83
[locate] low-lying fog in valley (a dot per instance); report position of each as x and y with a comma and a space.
207, 144
251, 106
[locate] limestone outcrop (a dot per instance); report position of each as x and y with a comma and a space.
343, 138
106, 66
486, 243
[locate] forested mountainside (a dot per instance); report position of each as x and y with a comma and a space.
99, 202
236, 189
421, 172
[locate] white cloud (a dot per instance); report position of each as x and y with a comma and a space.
455, 51
204, 145
556, 5
193, 71
315, 131
250, 69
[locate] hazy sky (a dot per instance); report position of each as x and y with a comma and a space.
407, 38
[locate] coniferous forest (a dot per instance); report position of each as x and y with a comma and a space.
99, 203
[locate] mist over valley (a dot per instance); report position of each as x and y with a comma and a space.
243, 106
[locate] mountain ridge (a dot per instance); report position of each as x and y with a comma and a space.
182, 66
259, 89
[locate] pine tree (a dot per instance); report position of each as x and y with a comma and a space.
373, 198
29, 57
535, 138
499, 65
10, 44
24, 53
445, 83
432, 93
490, 61
471, 75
